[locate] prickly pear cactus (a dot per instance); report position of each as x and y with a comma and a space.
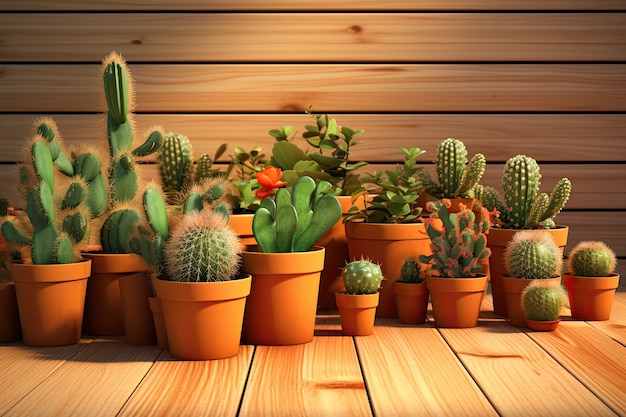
533, 254
362, 277
542, 302
591, 259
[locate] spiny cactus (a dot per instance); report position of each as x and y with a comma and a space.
460, 247
523, 207
202, 248
542, 302
297, 219
175, 159
591, 259
410, 271
456, 177
533, 254
362, 277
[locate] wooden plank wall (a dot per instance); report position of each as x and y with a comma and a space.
542, 77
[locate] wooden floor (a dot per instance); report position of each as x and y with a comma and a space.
493, 369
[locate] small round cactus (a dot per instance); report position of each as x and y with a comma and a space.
542, 302
591, 259
410, 271
202, 248
533, 254
362, 277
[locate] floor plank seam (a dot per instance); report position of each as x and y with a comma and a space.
160, 355
245, 383
367, 389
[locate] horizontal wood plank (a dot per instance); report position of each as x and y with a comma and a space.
245, 5
228, 88
546, 137
279, 37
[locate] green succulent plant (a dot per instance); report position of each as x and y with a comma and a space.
410, 271
591, 259
362, 277
532, 254
542, 302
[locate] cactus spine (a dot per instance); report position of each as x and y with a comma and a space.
362, 277
542, 302
591, 259
533, 254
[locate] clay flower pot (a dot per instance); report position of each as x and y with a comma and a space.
411, 301
513, 288
357, 312
135, 291
456, 301
591, 298
542, 326
159, 322
242, 225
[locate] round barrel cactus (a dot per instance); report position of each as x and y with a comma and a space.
362, 277
542, 302
591, 259
533, 254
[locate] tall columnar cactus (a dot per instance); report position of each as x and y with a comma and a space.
295, 220
533, 254
202, 248
410, 271
175, 159
362, 277
456, 177
542, 302
459, 243
523, 207
591, 259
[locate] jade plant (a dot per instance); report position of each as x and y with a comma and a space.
523, 206
591, 259
395, 193
541, 301
362, 277
532, 254
295, 219
456, 177
458, 241
410, 272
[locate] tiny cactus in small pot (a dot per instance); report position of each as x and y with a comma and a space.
362, 277
411, 294
542, 302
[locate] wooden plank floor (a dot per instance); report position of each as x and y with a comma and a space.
401, 370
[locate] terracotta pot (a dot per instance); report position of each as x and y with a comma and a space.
497, 240
411, 301
103, 303
389, 245
336, 257
542, 326
591, 298
513, 288
282, 305
159, 322
203, 319
456, 301
10, 330
135, 289
242, 225
357, 313
51, 299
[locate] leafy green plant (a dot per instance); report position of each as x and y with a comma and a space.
242, 170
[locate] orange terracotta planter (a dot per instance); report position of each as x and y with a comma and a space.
135, 289
159, 322
456, 301
242, 225
357, 312
10, 330
51, 299
542, 326
513, 288
203, 319
282, 305
411, 301
389, 245
497, 240
591, 298
103, 303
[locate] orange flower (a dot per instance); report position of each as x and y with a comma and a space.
269, 179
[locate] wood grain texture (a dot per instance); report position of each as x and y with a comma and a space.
190, 388
546, 137
615, 327
321, 378
330, 87
371, 37
245, 5
519, 377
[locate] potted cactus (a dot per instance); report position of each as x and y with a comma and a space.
286, 264
541, 304
51, 279
591, 280
411, 294
520, 207
357, 304
530, 255
454, 276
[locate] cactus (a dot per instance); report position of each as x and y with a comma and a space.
532, 254
456, 177
542, 302
294, 221
175, 159
591, 259
523, 207
410, 271
362, 277
202, 248
460, 246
